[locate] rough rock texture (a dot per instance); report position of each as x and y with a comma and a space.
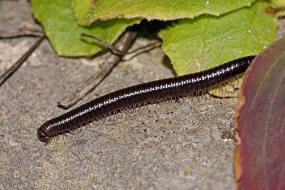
171, 145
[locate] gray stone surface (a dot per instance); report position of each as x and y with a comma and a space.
170, 145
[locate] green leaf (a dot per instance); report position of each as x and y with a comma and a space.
64, 34
207, 41
88, 11
278, 3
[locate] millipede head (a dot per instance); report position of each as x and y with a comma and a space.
42, 135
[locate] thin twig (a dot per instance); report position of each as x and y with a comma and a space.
20, 61
108, 63
21, 32
104, 43
143, 49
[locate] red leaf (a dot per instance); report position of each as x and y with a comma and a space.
260, 123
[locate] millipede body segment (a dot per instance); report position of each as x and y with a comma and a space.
140, 94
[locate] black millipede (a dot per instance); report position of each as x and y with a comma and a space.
139, 95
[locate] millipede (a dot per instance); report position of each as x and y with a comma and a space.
141, 94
